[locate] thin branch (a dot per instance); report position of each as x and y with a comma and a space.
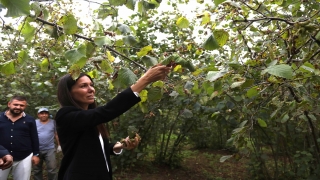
3, 23
265, 19
256, 10
35, 34
316, 53
91, 40
313, 133
246, 43
315, 14
94, 2
296, 98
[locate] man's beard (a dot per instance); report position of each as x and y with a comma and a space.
15, 112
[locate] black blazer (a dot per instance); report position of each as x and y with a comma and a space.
83, 156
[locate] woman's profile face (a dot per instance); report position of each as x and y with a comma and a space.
83, 91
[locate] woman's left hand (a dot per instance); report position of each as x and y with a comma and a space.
131, 143
117, 147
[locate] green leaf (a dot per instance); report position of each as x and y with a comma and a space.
141, 9
102, 40
52, 31
74, 55
36, 7
243, 123
215, 114
186, 113
105, 10
93, 73
318, 36
214, 75
144, 51
125, 78
124, 29
28, 31
252, 92
282, 70
221, 37
147, 5
224, 158
155, 2
154, 94
182, 22
129, 40
307, 67
158, 84
143, 95
69, 24
210, 43
106, 67
143, 107
278, 2
81, 62
8, 68
23, 57
190, 66
74, 71
44, 65
274, 113
285, 118
248, 83
131, 4
16, 8
110, 57
262, 123
48, 83
149, 61
90, 49
237, 84
217, 2
117, 2
205, 18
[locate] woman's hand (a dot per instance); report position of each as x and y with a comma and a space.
117, 147
132, 143
127, 143
158, 72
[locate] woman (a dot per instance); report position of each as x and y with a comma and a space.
82, 135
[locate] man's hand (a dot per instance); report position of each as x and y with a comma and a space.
6, 162
59, 149
35, 160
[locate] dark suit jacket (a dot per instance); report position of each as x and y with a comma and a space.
3, 151
83, 156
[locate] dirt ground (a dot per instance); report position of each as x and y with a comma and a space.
199, 165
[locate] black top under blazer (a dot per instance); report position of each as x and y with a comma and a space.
83, 157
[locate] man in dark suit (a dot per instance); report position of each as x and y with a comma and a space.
20, 137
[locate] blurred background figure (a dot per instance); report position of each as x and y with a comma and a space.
47, 133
